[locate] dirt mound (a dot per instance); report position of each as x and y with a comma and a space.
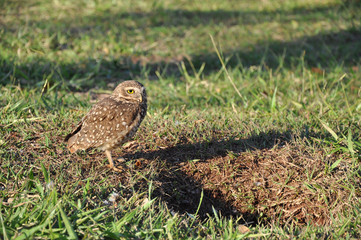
282, 182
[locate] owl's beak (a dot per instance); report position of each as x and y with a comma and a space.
141, 98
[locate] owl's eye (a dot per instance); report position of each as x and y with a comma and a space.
130, 91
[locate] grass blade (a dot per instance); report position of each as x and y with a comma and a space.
45, 173
350, 143
4, 233
334, 135
25, 234
335, 164
225, 69
199, 206
68, 226
273, 103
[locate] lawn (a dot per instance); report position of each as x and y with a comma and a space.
252, 130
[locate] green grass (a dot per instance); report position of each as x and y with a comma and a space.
270, 142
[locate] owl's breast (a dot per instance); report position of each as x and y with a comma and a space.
124, 135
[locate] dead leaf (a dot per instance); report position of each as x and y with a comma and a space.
317, 70
243, 229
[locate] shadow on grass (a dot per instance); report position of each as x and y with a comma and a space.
179, 189
158, 16
162, 17
324, 50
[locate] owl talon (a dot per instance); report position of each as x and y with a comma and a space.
129, 144
115, 169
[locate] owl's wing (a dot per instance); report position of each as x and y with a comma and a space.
109, 111
104, 121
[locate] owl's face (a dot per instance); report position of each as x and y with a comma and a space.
131, 91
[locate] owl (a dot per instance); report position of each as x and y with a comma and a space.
112, 121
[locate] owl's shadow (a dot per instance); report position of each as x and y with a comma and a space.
182, 192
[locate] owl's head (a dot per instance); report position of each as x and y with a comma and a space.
131, 91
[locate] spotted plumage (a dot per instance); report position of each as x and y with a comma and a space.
112, 121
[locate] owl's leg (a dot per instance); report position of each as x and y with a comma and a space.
109, 156
111, 163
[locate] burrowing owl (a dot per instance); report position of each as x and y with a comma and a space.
112, 121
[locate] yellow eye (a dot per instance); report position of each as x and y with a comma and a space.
131, 91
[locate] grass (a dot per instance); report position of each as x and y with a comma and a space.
260, 141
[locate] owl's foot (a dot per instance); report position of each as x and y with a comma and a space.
111, 163
115, 169
130, 145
